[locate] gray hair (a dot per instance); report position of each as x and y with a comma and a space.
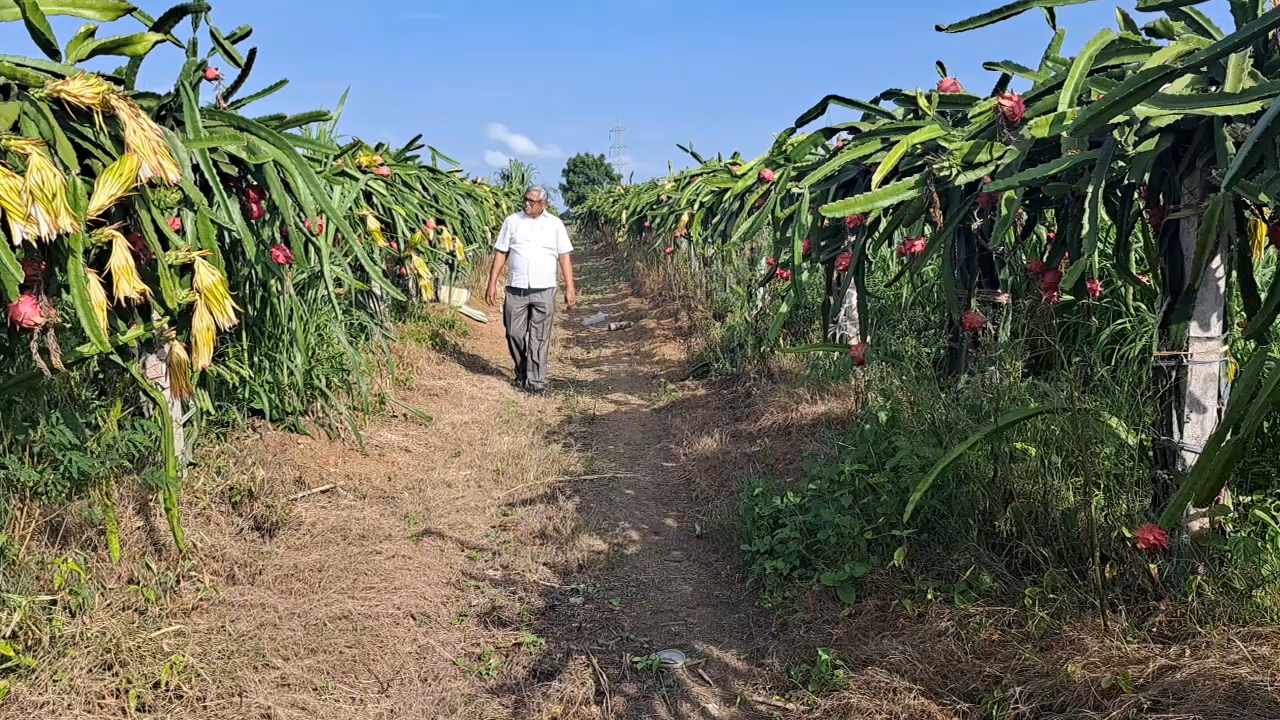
538, 189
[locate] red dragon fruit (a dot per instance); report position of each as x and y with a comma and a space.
1094, 287
950, 86
281, 255
212, 74
972, 321
25, 312
859, 354
1012, 107
844, 261
912, 247
1051, 285
854, 222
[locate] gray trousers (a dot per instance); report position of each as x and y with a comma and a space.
527, 315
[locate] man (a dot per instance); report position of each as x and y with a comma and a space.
532, 243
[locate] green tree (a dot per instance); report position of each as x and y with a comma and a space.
582, 174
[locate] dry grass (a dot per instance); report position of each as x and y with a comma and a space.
361, 601
984, 662
438, 578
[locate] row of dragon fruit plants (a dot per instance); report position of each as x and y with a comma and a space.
1138, 172
173, 247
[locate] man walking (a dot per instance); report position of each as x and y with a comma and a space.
532, 242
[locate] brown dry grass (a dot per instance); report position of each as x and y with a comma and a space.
357, 602
455, 573
979, 662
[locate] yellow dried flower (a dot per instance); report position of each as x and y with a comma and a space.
203, 336
46, 189
373, 227
416, 241
84, 89
179, 364
98, 299
211, 285
16, 206
1258, 237
366, 161
423, 275
114, 183
126, 283
144, 138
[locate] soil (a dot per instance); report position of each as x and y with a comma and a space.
515, 556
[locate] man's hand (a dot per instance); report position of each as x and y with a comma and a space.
499, 262
570, 297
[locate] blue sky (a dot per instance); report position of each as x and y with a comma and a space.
487, 79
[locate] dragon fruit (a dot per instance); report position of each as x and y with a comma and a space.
1012, 107
972, 321
281, 255
25, 312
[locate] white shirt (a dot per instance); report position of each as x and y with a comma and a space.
533, 247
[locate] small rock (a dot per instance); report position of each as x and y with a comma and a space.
576, 601
675, 556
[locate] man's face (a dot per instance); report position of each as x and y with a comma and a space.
534, 204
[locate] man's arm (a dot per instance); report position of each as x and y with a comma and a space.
500, 249
499, 262
564, 246
570, 293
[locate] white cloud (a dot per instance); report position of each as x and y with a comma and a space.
496, 159
520, 144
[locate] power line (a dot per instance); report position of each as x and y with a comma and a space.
618, 149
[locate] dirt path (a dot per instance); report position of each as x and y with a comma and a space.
670, 577
506, 558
